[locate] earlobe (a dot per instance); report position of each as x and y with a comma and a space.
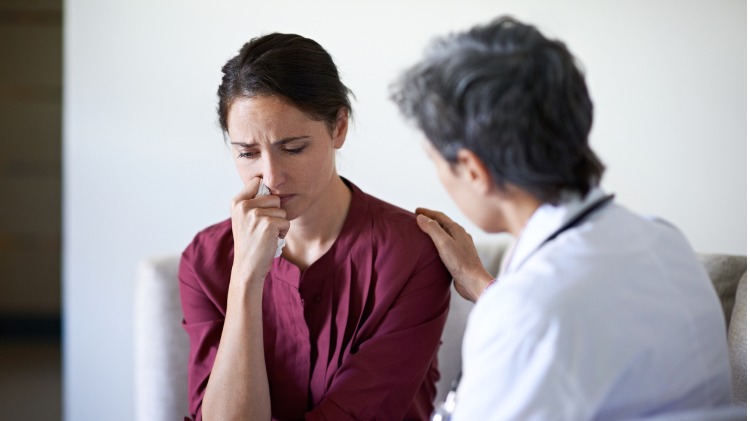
476, 173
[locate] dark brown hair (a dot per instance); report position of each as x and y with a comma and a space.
286, 65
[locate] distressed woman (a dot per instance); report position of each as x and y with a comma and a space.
345, 323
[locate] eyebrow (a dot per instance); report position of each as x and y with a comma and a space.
282, 141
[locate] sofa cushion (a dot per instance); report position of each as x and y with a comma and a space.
737, 336
725, 272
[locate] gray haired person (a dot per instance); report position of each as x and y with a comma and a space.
598, 313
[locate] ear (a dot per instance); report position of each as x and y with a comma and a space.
473, 170
340, 127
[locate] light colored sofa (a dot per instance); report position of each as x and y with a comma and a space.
161, 345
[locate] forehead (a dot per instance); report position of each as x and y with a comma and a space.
260, 108
268, 116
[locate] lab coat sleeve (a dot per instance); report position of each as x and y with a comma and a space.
514, 365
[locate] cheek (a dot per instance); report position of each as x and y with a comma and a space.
461, 195
320, 163
245, 170
463, 201
451, 185
447, 179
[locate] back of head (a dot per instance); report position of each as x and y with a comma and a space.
290, 66
514, 98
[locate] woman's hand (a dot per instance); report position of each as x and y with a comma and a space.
238, 385
257, 224
457, 251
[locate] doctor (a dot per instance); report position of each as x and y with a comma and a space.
599, 313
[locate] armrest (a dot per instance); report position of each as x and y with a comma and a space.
161, 345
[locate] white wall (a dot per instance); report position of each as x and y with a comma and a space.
145, 166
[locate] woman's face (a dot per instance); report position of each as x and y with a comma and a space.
294, 154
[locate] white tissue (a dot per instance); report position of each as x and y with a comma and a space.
263, 191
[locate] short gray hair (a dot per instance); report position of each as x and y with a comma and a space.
513, 97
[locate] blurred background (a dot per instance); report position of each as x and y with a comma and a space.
117, 99
31, 56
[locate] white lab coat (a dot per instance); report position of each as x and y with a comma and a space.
614, 319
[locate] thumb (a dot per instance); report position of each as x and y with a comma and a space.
250, 189
433, 229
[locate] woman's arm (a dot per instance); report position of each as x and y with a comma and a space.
237, 388
238, 385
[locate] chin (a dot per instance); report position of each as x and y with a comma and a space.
495, 230
291, 214
490, 225
292, 211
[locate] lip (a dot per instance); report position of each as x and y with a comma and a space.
285, 198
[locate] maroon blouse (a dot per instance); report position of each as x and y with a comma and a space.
355, 336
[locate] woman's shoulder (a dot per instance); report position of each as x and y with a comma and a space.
390, 217
395, 230
404, 257
211, 240
207, 260
215, 233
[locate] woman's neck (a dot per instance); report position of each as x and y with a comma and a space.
312, 234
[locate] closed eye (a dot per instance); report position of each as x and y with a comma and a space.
295, 151
247, 155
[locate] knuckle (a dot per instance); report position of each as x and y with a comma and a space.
241, 205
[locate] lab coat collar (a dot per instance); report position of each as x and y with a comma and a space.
544, 222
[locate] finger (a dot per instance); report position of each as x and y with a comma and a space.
259, 202
432, 228
283, 224
279, 224
433, 214
249, 190
270, 212
265, 202
450, 226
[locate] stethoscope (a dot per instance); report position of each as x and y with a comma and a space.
444, 411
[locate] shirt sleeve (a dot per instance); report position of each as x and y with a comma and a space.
203, 322
381, 379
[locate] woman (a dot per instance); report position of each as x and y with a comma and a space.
346, 323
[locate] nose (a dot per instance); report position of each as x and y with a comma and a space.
273, 173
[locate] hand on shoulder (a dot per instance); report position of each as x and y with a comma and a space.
457, 252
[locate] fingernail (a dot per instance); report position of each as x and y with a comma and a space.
422, 218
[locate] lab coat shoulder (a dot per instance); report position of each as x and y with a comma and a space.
589, 321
